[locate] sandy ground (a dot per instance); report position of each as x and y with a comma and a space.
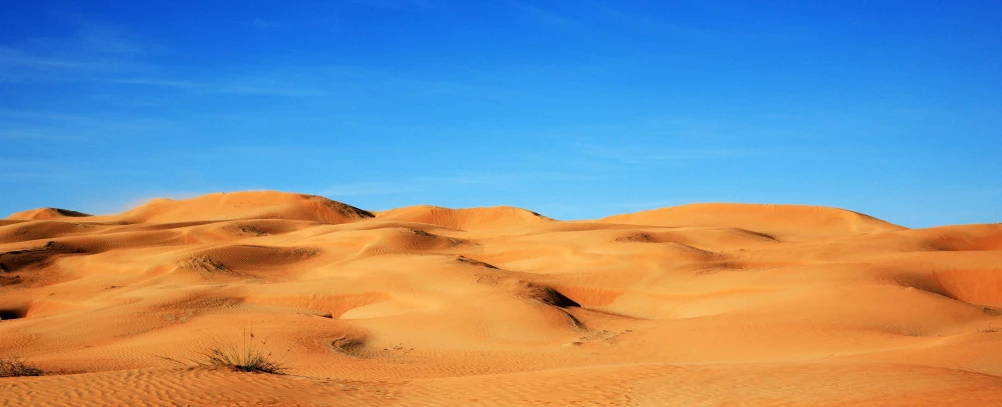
697, 305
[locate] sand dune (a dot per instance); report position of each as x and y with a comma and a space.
244, 205
46, 214
786, 222
704, 304
466, 219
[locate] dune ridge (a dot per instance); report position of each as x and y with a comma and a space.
783, 221
46, 214
244, 205
467, 218
702, 304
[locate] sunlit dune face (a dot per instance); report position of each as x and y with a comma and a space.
707, 303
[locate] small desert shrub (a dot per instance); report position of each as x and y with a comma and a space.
15, 367
248, 356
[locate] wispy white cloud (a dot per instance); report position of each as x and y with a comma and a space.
649, 154
587, 15
20, 170
94, 49
40, 125
52, 170
155, 82
263, 87
546, 17
100, 53
10, 114
257, 85
33, 133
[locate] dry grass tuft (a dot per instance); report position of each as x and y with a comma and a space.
249, 356
15, 367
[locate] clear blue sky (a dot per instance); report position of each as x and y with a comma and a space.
575, 109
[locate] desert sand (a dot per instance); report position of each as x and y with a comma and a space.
695, 305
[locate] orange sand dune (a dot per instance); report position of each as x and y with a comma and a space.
781, 221
705, 304
46, 214
243, 205
466, 219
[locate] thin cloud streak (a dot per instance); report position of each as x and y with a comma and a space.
155, 82
51, 126
588, 15
647, 155
546, 17
95, 49
99, 53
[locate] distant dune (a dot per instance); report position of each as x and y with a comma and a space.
46, 214
244, 205
702, 304
782, 221
466, 219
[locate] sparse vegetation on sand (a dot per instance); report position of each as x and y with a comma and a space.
15, 367
248, 356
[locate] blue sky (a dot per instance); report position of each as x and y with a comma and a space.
573, 109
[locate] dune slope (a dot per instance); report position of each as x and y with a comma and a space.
466, 219
705, 304
781, 221
244, 205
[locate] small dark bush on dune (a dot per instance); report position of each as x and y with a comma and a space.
248, 356
15, 367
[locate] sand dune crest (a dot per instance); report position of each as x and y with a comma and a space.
793, 222
245, 205
467, 218
46, 214
704, 304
